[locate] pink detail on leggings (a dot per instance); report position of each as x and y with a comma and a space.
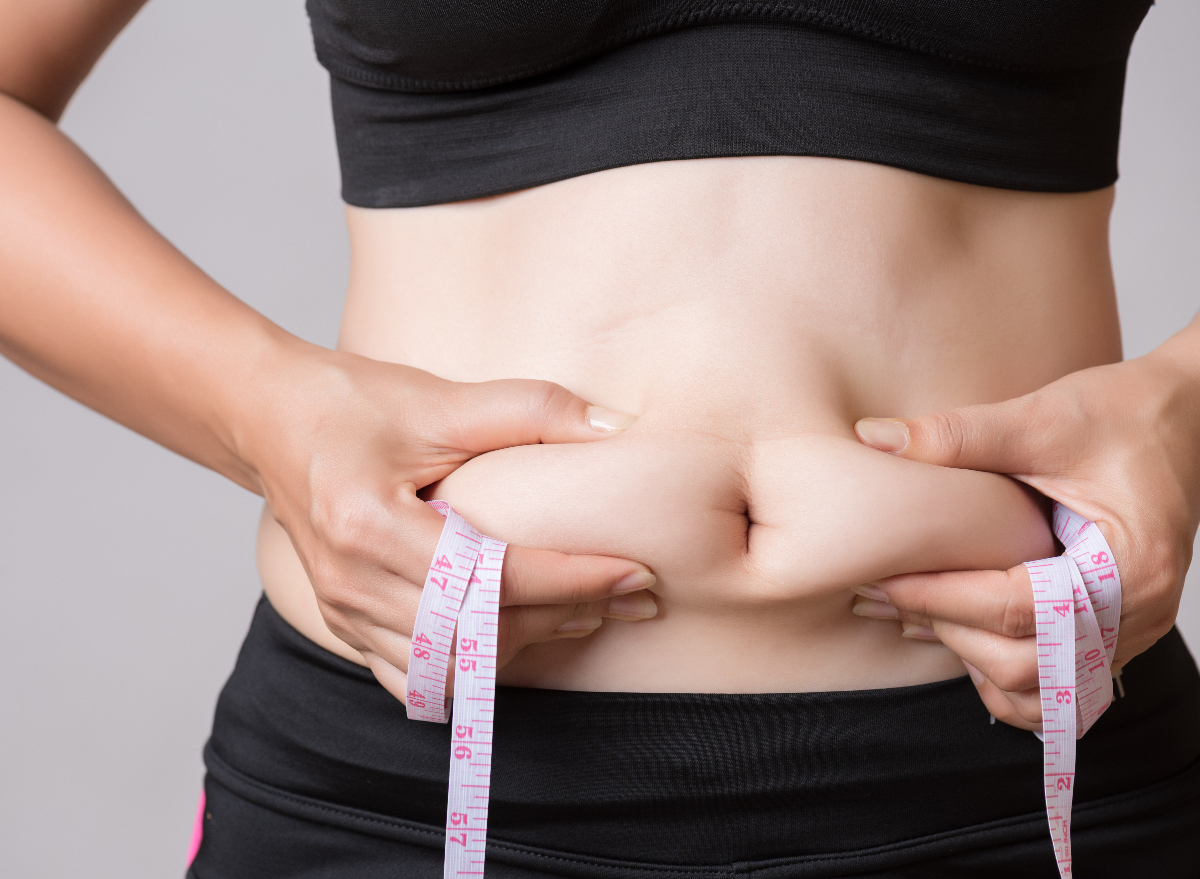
197, 831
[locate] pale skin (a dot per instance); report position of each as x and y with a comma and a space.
748, 311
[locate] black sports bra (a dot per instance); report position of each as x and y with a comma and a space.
444, 100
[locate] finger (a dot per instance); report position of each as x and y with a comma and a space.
389, 646
998, 601
881, 610
389, 663
522, 626
999, 437
539, 576
392, 679
1022, 710
518, 412
530, 576
1009, 663
395, 681
1014, 660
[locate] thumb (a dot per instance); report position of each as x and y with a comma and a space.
519, 412
998, 437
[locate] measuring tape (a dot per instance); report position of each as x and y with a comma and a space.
1077, 604
462, 590
1077, 607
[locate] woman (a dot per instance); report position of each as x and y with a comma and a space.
749, 310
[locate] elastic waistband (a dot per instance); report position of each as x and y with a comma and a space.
728, 778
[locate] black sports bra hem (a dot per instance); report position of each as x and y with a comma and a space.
749, 13
383, 202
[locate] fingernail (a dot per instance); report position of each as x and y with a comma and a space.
874, 593
883, 434
920, 633
876, 610
976, 674
582, 624
638, 606
635, 582
608, 420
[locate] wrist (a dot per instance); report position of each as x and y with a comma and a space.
274, 394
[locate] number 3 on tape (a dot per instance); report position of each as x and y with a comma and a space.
462, 591
1077, 608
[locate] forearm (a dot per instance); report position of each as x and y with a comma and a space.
99, 305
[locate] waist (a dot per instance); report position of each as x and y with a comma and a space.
873, 285
738, 777
749, 311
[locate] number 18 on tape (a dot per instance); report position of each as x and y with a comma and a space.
1077, 609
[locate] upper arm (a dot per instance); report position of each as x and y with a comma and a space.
47, 47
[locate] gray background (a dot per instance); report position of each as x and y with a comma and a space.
127, 575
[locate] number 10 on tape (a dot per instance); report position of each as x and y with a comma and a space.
1077, 609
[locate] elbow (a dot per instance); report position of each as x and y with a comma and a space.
48, 105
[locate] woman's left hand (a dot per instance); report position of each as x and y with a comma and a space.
1118, 444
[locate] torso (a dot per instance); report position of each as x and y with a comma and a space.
749, 311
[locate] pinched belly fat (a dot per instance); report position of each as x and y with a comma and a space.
756, 542
748, 311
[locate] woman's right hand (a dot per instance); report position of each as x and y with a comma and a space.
342, 444
96, 303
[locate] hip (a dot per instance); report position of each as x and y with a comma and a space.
616, 785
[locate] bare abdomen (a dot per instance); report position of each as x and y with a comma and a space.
749, 311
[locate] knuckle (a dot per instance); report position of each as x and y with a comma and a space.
504, 633
1017, 618
1009, 677
578, 581
1161, 624
1155, 587
546, 400
1167, 566
553, 578
337, 604
945, 431
514, 632
336, 594
1029, 710
514, 582
346, 524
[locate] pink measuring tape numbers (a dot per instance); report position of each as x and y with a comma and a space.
1077, 607
462, 590
1077, 602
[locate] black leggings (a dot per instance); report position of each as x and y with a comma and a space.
314, 771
